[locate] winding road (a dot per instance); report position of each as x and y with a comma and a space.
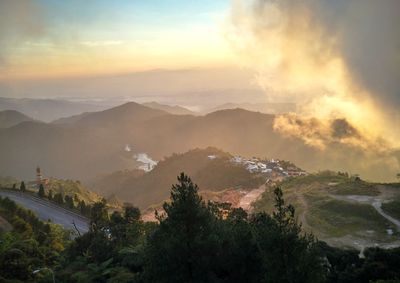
46, 210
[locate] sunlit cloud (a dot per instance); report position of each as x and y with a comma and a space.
301, 50
102, 43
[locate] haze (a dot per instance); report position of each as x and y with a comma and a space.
334, 60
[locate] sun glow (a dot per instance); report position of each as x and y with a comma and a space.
294, 57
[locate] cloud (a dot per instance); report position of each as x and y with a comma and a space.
323, 134
102, 43
19, 21
339, 59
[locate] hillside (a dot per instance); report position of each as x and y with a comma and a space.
210, 168
128, 113
107, 184
46, 109
70, 119
175, 110
72, 188
9, 118
342, 210
96, 143
65, 187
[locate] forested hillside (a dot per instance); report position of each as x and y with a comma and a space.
211, 168
192, 241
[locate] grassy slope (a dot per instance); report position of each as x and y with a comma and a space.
392, 208
313, 198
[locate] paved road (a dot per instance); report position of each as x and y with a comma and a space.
46, 210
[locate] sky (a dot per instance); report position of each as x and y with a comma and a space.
51, 38
338, 60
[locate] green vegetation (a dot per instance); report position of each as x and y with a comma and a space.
214, 174
339, 218
323, 207
72, 188
22, 187
354, 187
221, 174
8, 182
392, 208
32, 244
193, 241
41, 193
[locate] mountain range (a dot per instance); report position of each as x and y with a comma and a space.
9, 118
47, 109
107, 141
267, 108
175, 109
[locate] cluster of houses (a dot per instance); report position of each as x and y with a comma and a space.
272, 167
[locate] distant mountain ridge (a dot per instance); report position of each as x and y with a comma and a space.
9, 118
175, 110
266, 108
46, 109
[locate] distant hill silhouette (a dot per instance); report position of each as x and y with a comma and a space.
176, 109
266, 108
9, 118
46, 109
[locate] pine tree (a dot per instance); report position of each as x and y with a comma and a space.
82, 207
69, 201
288, 255
183, 246
22, 187
58, 198
41, 193
99, 216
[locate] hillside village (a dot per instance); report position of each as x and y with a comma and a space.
273, 168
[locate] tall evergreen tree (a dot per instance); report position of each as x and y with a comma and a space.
58, 198
99, 219
287, 255
69, 201
183, 247
41, 193
22, 187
